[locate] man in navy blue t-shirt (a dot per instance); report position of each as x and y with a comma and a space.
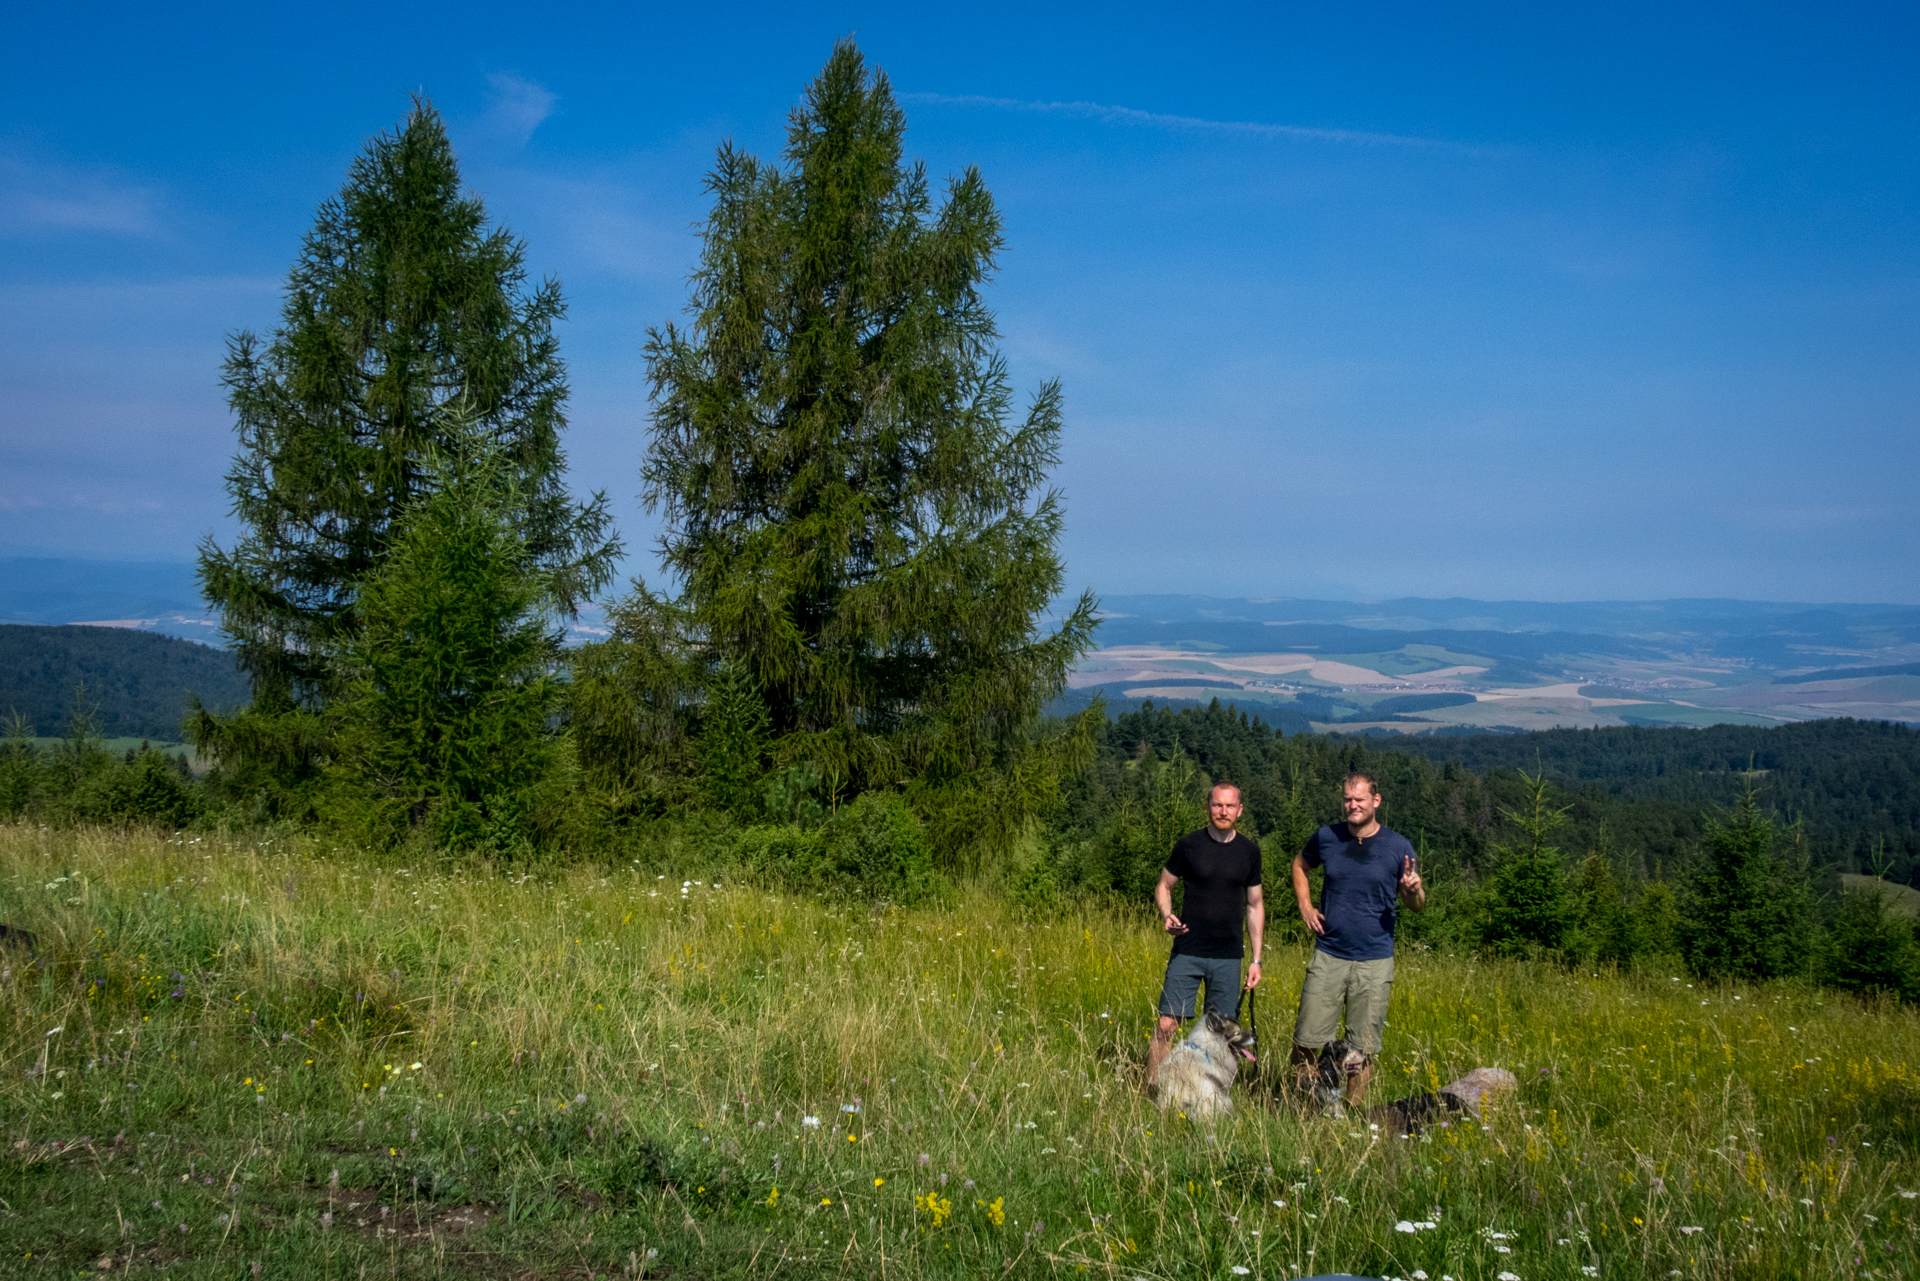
1369, 869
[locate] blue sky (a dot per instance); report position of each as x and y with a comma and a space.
1525, 302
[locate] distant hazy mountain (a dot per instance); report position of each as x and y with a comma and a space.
154, 596
1771, 634
147, 596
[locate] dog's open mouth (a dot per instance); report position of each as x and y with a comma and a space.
1244, 1051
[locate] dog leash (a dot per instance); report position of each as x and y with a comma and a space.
1247, 1001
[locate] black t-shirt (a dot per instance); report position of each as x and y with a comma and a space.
1218, 875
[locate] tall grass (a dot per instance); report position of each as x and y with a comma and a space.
233, 1052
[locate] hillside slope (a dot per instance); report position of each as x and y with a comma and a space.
137, 682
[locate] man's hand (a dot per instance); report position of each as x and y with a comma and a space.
1253, 976
1174, 925
1411, 885
1315, 919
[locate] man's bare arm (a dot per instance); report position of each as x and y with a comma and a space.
1303, 895
1256, 930
1163, 899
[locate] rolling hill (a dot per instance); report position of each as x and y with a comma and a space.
137, 682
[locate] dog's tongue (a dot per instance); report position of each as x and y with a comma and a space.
1245, 1051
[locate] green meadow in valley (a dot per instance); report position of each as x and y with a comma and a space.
268, 1057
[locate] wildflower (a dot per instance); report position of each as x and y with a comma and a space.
1687, 1232
1509, 1276
1405, 1226
1280, 1205
937, 1207
1238, 1271
996, 1213
878, 1182
811, 1122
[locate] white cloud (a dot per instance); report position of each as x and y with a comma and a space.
517, 105
38, 199
1132, 115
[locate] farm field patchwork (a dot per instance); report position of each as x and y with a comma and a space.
1593, 692
232, 1052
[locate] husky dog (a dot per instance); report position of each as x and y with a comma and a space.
1199, 1072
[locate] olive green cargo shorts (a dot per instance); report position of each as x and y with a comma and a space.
1361, 987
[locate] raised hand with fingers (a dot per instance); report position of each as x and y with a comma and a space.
1411, 886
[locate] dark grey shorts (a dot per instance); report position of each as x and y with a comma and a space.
1184, 973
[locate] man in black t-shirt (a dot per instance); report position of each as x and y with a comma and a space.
1221, 869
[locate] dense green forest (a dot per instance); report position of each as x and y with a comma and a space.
137, 682
1851, 785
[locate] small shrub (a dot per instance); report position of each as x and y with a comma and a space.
1745, 906
1528, 910
151, 786
873, 848
1871, 947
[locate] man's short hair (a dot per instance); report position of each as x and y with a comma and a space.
1224, 783
1361, 776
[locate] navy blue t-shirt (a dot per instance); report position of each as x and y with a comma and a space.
1362, 890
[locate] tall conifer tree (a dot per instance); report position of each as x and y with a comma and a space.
859, 522
407, 318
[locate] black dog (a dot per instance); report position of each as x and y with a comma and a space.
1410, 1115
1339, 1061
14, 936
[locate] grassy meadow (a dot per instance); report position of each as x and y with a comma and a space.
241, 1057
